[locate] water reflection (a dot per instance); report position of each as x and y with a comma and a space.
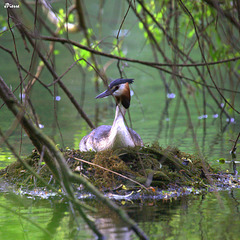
210, 216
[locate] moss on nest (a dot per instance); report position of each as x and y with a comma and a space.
151, 166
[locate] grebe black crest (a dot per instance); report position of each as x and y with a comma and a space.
118, 135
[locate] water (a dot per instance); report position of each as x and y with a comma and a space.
209, 216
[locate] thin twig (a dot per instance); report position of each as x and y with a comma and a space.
203, 56
153, 64
108, 170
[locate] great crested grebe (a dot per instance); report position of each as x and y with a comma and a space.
118, 135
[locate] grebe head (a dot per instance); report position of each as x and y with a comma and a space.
119, 88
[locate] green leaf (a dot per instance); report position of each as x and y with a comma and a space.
61, 12
191, 33
71, 17
90, 32
221, 160
56, 52
139, 8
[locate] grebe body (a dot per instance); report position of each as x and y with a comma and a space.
118, 135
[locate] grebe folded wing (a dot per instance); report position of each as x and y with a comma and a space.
136, 137
95, 139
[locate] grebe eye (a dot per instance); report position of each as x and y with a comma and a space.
116, 88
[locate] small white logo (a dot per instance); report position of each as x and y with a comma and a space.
9, 5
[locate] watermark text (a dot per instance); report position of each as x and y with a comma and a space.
9, 5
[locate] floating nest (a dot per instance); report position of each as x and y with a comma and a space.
130, 167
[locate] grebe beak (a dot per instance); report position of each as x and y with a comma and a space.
104, 94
